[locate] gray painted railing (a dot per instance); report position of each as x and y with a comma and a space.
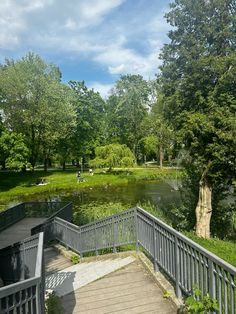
62, 210
186, 262
11, 216
182, 260
23, 273
47, 210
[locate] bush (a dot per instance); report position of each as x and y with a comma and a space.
53, 304
75, 259
199, 303
93, 211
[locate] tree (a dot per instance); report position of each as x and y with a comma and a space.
13, 151
89, 108
35, 103
126, 108
198, 83
113, 155
159, 134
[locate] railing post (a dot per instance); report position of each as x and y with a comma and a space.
114, 226
95, 239
212, 288
178, 291
156, 268
136, 229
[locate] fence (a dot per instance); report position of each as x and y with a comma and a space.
186, 262
182, 260
50, 210
34, 210
23, 274
11, 216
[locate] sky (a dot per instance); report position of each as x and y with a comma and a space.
91, 40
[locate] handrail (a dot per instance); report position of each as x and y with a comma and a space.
11, 215
230, 268
27, 294
185, 262
64, 212
182, 260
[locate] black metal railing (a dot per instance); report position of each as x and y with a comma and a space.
22, 272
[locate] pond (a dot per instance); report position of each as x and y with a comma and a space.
160, 193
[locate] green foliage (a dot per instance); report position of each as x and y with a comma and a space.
93, 211
113, 155
13, 151
89, 129
53, 304
166, 294
126, 108
198, 87
35, 103
200, 304
75, 259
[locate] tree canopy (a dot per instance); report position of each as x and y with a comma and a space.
198, 83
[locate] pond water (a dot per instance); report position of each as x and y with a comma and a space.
160, 193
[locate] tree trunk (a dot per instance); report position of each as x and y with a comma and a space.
64, 165
45, 164
203, 210
161, 156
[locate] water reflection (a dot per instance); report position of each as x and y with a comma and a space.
157, 192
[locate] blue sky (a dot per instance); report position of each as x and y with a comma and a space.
91, 40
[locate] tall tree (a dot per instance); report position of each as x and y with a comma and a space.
126, 108
198, 83
35, 103
89, 108
159, 134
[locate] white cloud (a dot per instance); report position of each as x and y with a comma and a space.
103, 89
126, 42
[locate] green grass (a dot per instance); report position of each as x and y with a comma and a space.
224, 249
15, 185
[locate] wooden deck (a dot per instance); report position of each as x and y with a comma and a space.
128, 290
18, 231
55, 261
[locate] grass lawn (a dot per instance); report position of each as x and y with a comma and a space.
18, 184
224, 249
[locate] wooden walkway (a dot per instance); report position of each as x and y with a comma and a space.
130, 289
18, 231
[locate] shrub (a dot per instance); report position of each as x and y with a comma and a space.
53, 304
199, 303
75, 259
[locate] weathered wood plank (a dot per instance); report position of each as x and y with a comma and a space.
128, 290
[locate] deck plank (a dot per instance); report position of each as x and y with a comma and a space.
128, 290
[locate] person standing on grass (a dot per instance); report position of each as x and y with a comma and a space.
78, 176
